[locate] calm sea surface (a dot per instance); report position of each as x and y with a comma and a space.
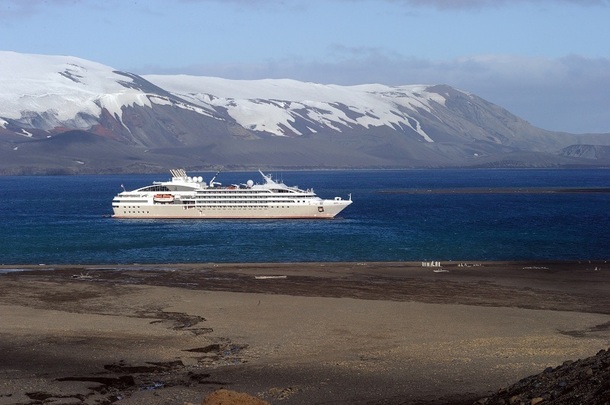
66, 219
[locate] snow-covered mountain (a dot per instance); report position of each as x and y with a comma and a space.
65, 114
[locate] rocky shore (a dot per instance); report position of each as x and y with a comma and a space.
584, 381
306, 333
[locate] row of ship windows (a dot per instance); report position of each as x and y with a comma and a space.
209, 206
231, 191
247, 192
193, 205
217, 192
226, 207
233, 202
233, 197
243, 190
207, 203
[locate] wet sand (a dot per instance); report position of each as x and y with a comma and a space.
298, 333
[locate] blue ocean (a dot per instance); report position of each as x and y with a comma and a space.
402, 215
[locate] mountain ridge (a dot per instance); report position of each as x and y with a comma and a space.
153, 122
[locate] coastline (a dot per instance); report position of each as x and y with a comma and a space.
294, 333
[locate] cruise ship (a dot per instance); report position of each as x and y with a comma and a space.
191, 197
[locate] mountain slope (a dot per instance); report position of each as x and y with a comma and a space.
65, 114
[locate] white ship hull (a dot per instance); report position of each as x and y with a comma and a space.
176, 211
191, 198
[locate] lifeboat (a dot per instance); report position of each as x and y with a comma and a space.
163, 198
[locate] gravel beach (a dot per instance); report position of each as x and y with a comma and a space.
293, 333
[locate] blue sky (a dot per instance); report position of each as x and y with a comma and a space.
547, 61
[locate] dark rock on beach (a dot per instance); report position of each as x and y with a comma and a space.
584, 381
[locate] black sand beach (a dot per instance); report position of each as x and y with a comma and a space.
293, 333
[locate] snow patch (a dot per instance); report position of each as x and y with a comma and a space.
373, 105
420, 131
160, 100
61, 87
114, 103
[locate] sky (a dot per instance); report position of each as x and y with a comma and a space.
546, 61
